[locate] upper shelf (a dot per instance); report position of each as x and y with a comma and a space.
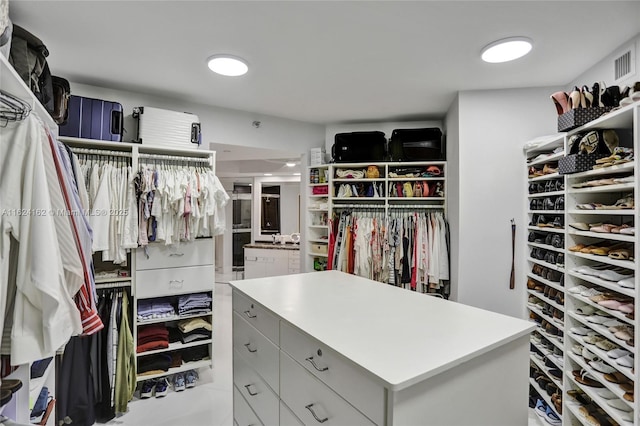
619, 119
548, 159
130, 146
622, 168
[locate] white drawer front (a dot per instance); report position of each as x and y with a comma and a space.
287, 418
196, 253
256, 392
242, 414
258, 351
257, 316
334, 370
167, 282
312, 401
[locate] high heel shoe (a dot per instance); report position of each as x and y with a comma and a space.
575, 98
613, 94
561, 101
587, 97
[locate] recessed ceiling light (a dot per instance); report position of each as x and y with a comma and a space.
296, 174
228, 65
506, 49
268, 174
290, 164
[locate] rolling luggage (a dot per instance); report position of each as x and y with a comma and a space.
417, 145
93, 119
358, 147
161, 127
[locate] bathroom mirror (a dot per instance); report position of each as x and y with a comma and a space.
276, 206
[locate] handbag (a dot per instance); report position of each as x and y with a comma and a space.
61, 95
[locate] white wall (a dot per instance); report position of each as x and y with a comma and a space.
604, 70
493, 126
452, 131
219, 125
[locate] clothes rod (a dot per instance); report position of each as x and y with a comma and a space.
417, 206
174, 158
358, 206
103, 286
90, 151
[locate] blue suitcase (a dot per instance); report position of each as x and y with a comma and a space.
93, 119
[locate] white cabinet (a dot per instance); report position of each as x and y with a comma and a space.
271, 261
336, 360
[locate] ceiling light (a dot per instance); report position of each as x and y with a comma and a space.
506, 49
228, 65
296, 174
290, 164
268, 174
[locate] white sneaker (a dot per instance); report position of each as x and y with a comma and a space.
628, 282
580, 331
578, 289
590, 292
625, 361
617, 353
606, 394
602, 367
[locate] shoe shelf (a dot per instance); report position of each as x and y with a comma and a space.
618, 119
411, 179
545, 177
612, 212
601, 402
547, 318
614, 313
574, 408
545, 299
546, 264
184, 367
36, 384
543, 394
541, 365
603, 236
609, 285
546, 353
354, 180
545, 229
171, 318
603, 331
603, 188
545, 194
547, 247
628, 264
550, 159
618, 169
547, 212
545, 281
176, 346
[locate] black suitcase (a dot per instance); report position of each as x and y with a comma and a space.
358, 147
93, 119
417, 145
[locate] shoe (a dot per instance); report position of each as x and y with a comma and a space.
190, 378
178, 382
551, 417
147, 389
162, 387
541, 408
601, 367
625, 361
561, 102
12, 385
40, 405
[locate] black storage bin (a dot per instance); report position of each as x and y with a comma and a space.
358, 147
575, 163
417, 145
579, 117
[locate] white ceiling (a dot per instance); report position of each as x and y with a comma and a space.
324, 62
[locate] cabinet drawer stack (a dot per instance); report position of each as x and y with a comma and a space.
165, 273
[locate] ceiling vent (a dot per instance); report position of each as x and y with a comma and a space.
624, 64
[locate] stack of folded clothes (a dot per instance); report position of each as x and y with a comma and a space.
194, 304
152, 337
155, 308
154, 364
195, 353
194, 329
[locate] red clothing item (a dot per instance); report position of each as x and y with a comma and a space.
153, 345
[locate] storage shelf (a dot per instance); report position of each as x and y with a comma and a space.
171, 318
616, 314
628, 264
545, 281
604, 236
416, 198
325, 241
603, 188
36, 385
318, 195
547, 212
112, 280
603, 331
546, 229
356, 180
619, 119
319, 226
610, 285
176, 346
543, 395
318, 210
619, 169
546, 264
546, 247
550, 176
545, 299
415, 179
612, 212
184, 367
318, 184
318, 254
546, 194
545, 369
556, 324
550, 159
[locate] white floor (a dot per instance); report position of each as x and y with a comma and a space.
210, 403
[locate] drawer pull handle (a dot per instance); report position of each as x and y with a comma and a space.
248, 387
315, 416
250, 315
177, 254
310, 359
246, 345
176, 283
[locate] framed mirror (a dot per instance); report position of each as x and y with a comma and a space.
276, 202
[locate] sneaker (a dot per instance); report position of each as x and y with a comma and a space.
191, 377
541, 408
162, 387
178, 382
147, 389
551, 417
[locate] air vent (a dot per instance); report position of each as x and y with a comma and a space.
624, 65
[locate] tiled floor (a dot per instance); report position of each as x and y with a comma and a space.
210, 403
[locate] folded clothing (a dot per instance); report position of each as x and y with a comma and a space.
175, 335
195, 354
191, 324
197, 334
155, 330
152, 346
154, 362
193, 304
176, 359
155, 308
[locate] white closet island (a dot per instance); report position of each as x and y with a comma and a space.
339, 349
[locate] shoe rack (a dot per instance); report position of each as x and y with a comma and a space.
599, 382
545, 274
